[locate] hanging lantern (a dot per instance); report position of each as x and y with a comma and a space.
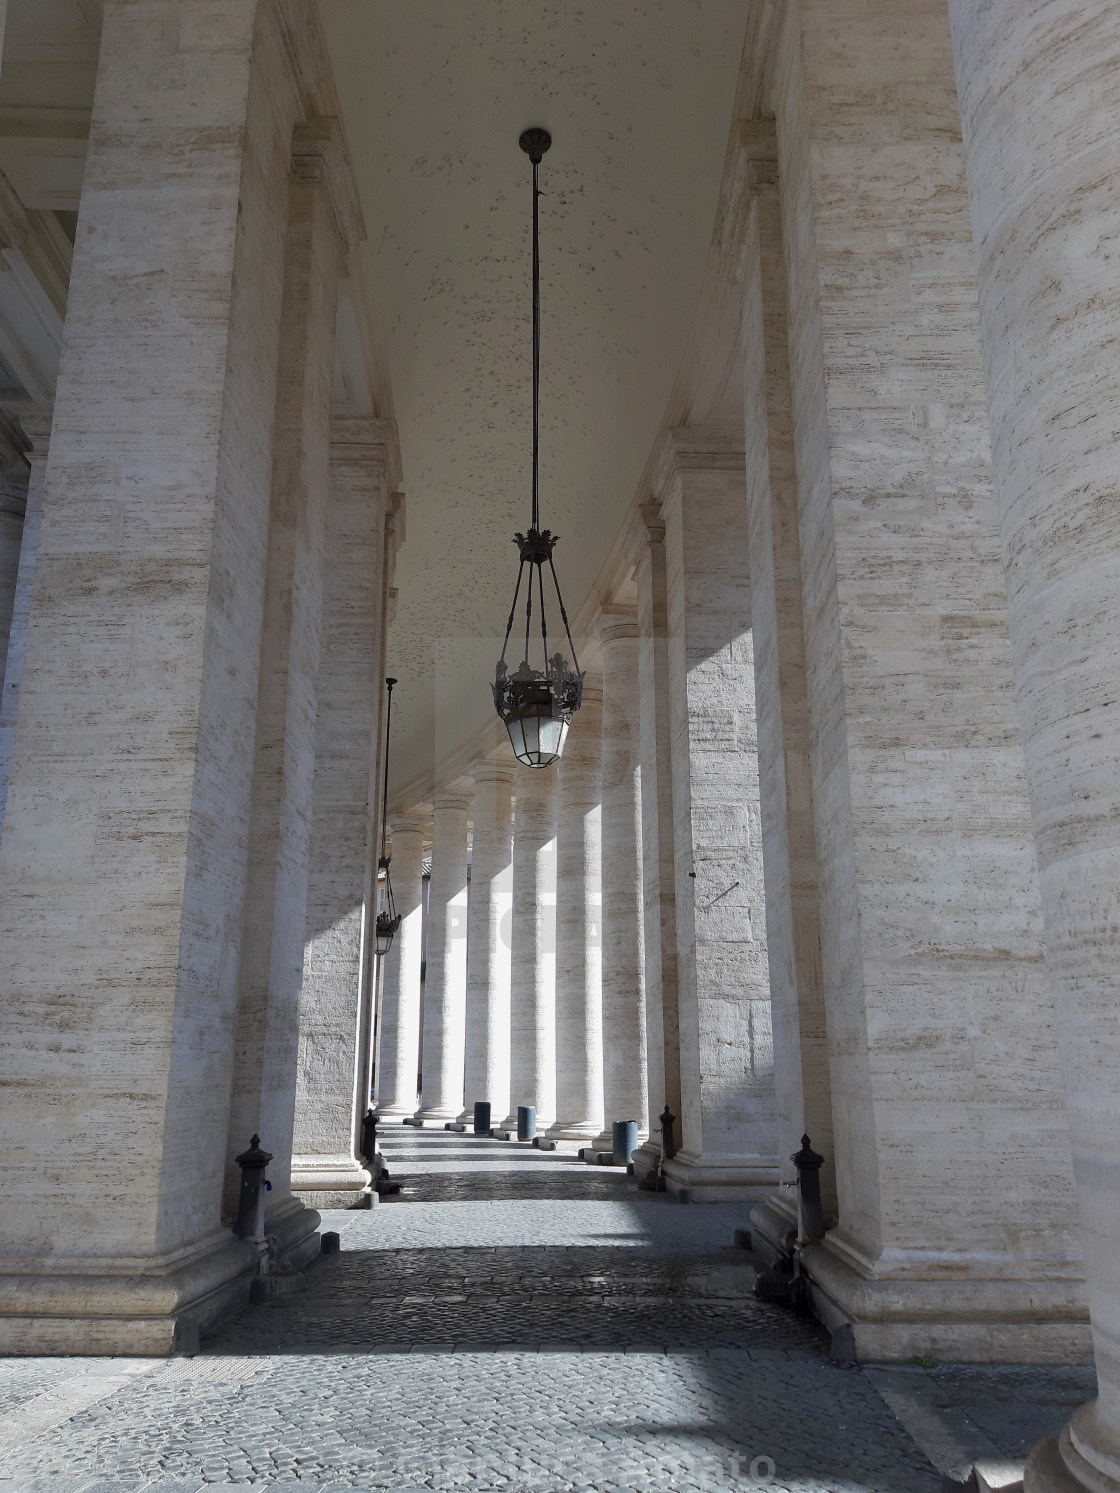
388, 918
537, 704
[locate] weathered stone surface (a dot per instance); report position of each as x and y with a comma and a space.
398, 1043
533, 952
445, 984
1038, 98
37, 426
728, 1130
944, 1075
489, 918
579, 924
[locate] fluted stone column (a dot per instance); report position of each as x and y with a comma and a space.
663, 1054
331, 1076
37, 426
445, 983
533, 938
398, 1054
947, 1098
1038, 104
625, 1087
579, 921
728, 1130
489, 915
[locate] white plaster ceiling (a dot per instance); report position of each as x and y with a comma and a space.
639, 99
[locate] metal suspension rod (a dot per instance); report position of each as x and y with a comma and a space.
544, 617
536, 348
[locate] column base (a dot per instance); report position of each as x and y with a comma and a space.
149, 1309
437, 1117
774, 1228
721, 1179
395, 1112
965, 1320
581, 1130
330, 1181
647, 1158
1058, 1466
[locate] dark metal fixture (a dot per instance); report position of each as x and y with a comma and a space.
537, 705
388, 918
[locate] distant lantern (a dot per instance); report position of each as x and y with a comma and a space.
537, 705
388, 918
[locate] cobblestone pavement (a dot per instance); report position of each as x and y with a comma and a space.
515, 1320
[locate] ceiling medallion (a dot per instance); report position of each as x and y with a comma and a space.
537, 705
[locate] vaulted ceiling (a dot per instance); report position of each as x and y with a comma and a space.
639, 99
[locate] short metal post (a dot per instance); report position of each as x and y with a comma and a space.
369, 1139
254, 1185
624, 1141
668, 1144
810, 1218
482, 1117
526, 1121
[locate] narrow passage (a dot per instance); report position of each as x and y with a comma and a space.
514, 1320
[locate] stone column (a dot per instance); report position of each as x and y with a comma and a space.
1038, 104
803, 1090
489, 915
123, 860
579, 924
445, 985
943, 1065
659, 907
728, 1131
330, 1075
275, 915
624, 1012
37, 426
533, 937
398, 1060
14, 472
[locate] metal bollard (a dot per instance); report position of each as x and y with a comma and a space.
668, 1144
624, 1141
526, 1121
369, 1138
481, 1117
250, 1200
810, 1218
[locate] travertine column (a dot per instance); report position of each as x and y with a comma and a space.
123, 861
14, 472
624, 1009
952, 1155
579, 922
803, 1091
1039, 108
341, 891
275, 914
398, 1060
489, 914
659, 906
533, 937
728, 1130
445, 983
37, 426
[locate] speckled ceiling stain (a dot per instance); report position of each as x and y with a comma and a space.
638, 98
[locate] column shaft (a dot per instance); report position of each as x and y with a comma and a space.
579, 921
398, 1060
489, 916
663, 1054
330, 1074
728, 1131
445, 984
37, 425
128, 802
533, 956
944, 1078
1038, 104
272, 942
803, 1090
625, 1092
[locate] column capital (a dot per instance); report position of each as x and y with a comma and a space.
617, 622
410, 822
453, 798
36, 423
494, 770
759, 144
646, 527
